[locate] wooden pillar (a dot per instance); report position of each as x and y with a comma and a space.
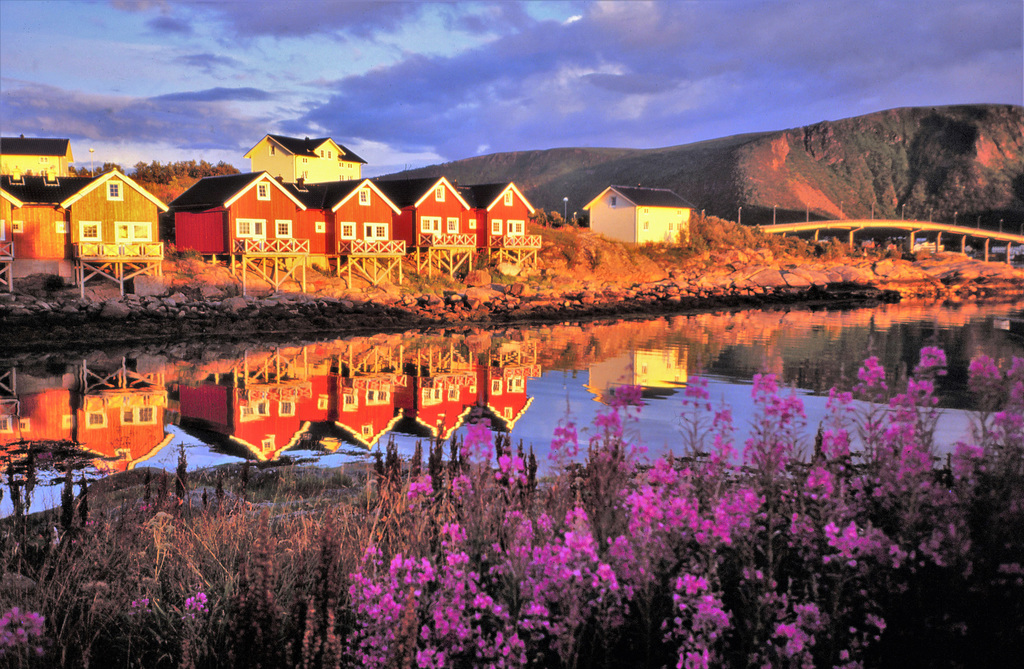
963, 244
851, 239
938, 242
986, 248
910, 242
816, 231
1009, 245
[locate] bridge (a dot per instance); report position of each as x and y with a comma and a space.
913, 227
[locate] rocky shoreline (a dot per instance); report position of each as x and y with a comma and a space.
734, 280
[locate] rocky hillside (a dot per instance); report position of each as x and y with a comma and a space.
921, 162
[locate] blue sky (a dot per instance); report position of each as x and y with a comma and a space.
415, 83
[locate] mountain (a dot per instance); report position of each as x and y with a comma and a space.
922, 162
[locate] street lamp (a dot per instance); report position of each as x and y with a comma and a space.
92, 171
774, 207
739, 217
872, 210
903, 211
565, 208
954, 218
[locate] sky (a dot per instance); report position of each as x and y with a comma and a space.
407, 84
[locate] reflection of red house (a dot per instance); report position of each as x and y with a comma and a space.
122, 427
439, 402
504, 392
43, 415
366, 406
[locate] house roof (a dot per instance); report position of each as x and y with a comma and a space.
221, 191
332, 194
96, 182
411, 192
35, 146
304, 146
646, 197
37, 190
485, 196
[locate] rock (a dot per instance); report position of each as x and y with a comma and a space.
795, 280
209, 292
234, 304
478, 277
509, 269
150, 285
115, 310
767, 278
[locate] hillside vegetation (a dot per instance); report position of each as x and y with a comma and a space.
921, 162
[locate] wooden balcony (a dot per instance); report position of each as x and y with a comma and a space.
272, 247
6, 251
516, 242
447, 241
107, 251
6, 263
363, 247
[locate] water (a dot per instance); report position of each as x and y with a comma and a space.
334, 402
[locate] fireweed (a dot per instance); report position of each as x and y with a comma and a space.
859, 548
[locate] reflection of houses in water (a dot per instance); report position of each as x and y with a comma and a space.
440, 392
264, 403
369, 377
654, 370
113, 412
503, 381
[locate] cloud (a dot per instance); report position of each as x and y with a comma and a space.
217, 95
168, 24
208, 62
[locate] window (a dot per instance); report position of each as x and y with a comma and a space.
496, 226
453, 394
90, 231
283, 229
453, 226
615, 200
515, 228
472, 224
328, 153
495, 386
364, 197
3, 230
138, 416
263, 191
59, 227
322, 402
132, 232
507, 412
646, 210
321, 153
321, 226
44, 159
273, 150
375, 231
95, 419
114, 190
508, 198
516, 384
430, 224
348, 230
305, 161
439, 193
367, 430
18, 226
6, 424
348, 401
647, 225
671, 226
286, 408
250, 228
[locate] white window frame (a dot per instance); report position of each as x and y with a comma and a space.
364, 197
350, 226
17, 227
320, 227
375, 231
263, 191
508, 198
439, 194
496, 227
286, 408
430, 224
452, 225
115, 191
3, 230
273, 150
515, 228
59, 227
472, 224
614, 200
132, 229
284, 224
81, 231
252, 224
496, 386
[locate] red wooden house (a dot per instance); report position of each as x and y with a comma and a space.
104, 226
252, 219
433, 223
499, 213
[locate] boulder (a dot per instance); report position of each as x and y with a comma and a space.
478, 277
234, 304
150, 285
767, 278
115, 310
210, 292
509, 269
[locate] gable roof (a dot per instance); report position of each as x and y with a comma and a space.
35, 146
96, 182
645, 197
223, 190
308, 147
485, 196
411, 192
37, 190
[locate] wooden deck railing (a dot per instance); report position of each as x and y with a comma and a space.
272, 247
119, 251
516, 242
391, 247
458, 240
6, 250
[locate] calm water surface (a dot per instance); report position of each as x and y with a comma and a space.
334, 402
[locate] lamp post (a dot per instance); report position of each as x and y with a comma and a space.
739, 217
565, 208
92, 171
841, 210
774, 207
872, 210
903, 211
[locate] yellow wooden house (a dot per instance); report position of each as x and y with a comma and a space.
35, 156
295, 160
640, 215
